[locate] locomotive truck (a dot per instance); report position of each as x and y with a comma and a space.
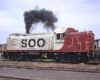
61, 45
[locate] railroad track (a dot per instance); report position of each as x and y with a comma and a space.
53, 68
13, 78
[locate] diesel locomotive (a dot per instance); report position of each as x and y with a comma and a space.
61, 45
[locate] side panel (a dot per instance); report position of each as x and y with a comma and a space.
31, 42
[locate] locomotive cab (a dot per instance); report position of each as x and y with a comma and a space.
59, 37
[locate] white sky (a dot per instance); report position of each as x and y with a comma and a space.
79, 14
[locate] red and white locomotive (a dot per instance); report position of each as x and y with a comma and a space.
62, 45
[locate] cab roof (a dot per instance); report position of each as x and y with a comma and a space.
60, 30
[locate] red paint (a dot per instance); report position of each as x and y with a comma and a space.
81, 41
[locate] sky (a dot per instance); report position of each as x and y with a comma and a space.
79, 14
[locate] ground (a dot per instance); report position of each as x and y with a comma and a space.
49, 74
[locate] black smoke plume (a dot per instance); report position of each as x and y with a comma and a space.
34, 16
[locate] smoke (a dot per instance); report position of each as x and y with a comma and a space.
34, 16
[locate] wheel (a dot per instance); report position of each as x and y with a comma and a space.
11, 57
79, 58
31, 59
85, 59
23, 57
14, 56
57, 59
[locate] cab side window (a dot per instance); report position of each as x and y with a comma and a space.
58, 36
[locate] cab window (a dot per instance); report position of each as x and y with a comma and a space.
60, 36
